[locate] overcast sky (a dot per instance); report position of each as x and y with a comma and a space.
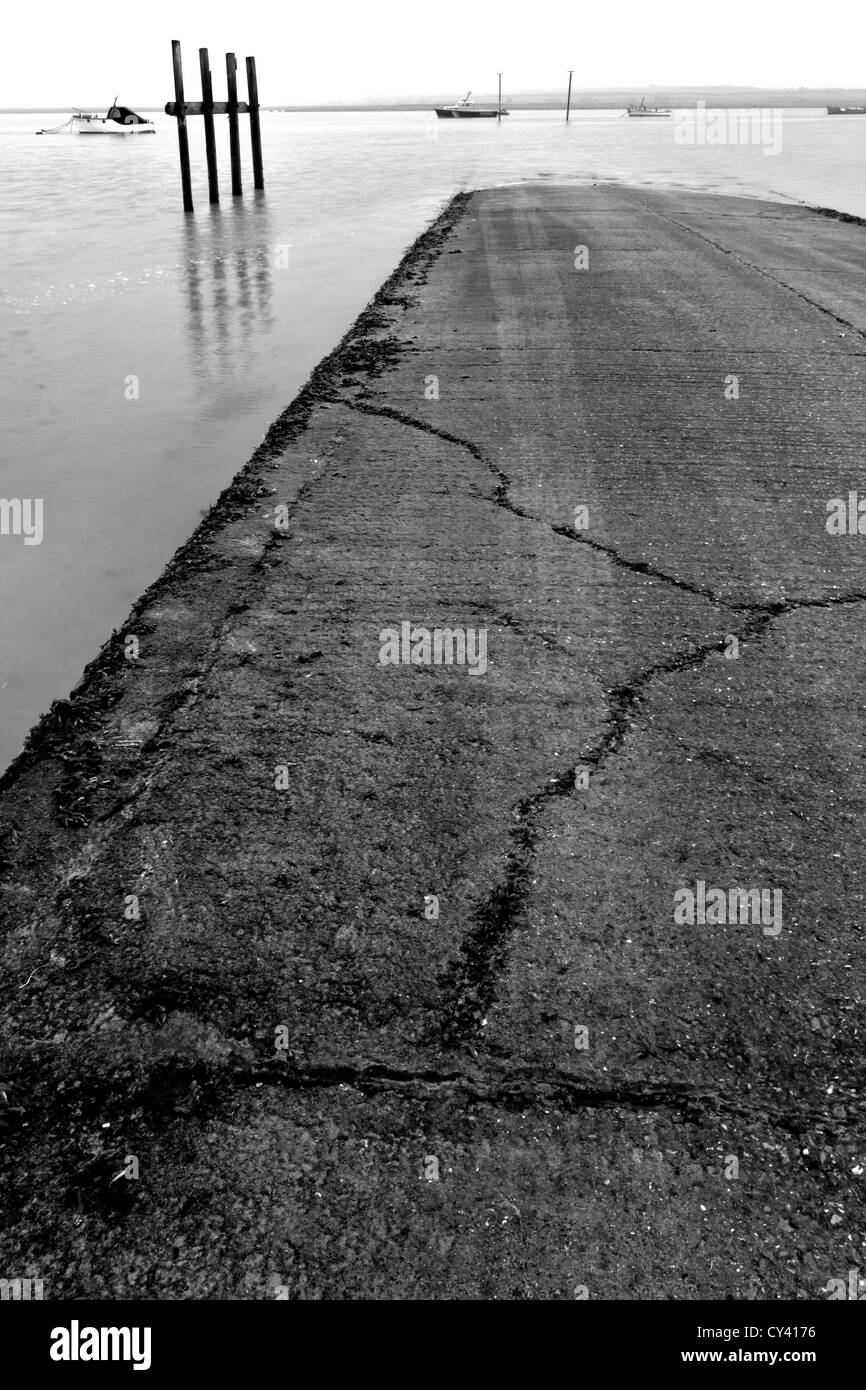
65, 52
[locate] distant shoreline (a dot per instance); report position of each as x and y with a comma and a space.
604, 99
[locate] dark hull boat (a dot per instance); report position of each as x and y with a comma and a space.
443, 112
846, 110
462, 110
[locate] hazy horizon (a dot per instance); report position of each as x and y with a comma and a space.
517, 96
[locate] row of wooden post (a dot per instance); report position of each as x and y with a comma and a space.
207, 108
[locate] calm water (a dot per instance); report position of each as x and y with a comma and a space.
103, 277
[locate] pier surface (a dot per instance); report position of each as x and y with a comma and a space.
327, 978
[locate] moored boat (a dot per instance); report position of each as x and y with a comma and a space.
118, 120
463, 110
643, 110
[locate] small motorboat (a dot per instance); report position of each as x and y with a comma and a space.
846, 110
463, 110
644, 110
118, 120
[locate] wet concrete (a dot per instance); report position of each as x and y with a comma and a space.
554, 1088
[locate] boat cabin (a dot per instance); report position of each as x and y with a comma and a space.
125, 116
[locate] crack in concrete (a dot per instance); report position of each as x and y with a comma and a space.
469, 984
178, 1088
522, 1088
387, 412
642, 567
519, 1087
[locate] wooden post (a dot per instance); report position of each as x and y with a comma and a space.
499, 108
568, 103
255, 129
207, 113
182, 135
181, 109
234, 132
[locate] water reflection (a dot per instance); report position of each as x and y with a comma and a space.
227, 255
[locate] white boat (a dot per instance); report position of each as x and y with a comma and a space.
118, 120
644, 110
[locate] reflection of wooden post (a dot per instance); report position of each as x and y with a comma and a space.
255, 129
182, 136
207, 113
568, 103
234, 132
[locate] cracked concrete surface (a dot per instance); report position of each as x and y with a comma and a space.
410, 1039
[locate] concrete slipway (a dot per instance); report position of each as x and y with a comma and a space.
540, 1094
